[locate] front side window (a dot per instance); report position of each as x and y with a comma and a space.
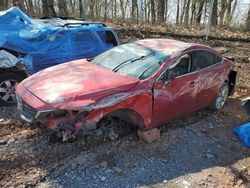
182, 66
202, 59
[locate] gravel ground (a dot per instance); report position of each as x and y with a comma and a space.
199, 150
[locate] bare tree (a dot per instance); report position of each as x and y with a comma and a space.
161, 11
152, 8
200, 10
178, 12
214, 21
248, 21
3, 4
92, 8
62, 5
48, 8
81, 9
186, 18
134, 10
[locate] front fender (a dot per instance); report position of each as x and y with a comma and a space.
139, 102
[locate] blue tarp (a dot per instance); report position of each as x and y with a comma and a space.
44, 44
243, 131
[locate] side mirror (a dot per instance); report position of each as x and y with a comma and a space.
169, 76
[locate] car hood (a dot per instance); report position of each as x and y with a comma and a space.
77, 83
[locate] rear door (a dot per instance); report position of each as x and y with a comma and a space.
177, 97
210, 68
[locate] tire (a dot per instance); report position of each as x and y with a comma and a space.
8, 83
221, 98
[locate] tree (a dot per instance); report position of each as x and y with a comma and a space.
214, 21
200, 10
177, 12
248, 21
48, 8
92, 8
81, 9
3, 4
134, 11
62, 5
186, 18
19, 4
152, 8
161, 11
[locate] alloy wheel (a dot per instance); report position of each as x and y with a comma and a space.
222, 97
7, 91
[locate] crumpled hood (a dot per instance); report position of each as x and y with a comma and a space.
78, 82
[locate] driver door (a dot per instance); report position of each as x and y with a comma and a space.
173, 98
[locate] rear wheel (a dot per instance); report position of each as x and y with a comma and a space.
8, 83
221, 97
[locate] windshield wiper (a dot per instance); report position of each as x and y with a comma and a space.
114, 69
159, 63
132, 60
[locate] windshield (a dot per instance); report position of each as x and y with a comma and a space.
131, 60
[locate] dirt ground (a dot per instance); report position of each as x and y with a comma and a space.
199, 150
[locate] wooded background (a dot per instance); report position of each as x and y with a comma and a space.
181, 12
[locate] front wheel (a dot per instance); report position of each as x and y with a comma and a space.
221, 97
8, 83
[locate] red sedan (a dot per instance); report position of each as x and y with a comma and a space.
143, 84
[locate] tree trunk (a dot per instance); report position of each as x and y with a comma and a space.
183, 12
3, 4
248, 21
152, 3
48, 8
166, 11
134, 9
161, 11
145, 10
105, 10
186, 18
229, 9
178, 12
214, 21
122, 9
193, 12
222, 12
19, 4
200, 9
115, 7
92, 9
62, 5
81, 9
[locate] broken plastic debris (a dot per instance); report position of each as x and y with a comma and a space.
243, 132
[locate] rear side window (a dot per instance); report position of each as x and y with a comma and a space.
84, 36
202, 59
84, 40
108, 37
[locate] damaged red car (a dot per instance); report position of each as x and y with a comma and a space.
141, 84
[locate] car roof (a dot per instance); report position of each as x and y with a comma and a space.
69, 23
166, 46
